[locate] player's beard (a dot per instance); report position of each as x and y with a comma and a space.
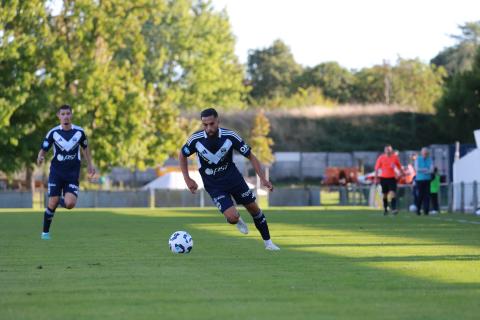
212, 133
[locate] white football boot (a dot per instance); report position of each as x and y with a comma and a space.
242, 226
269, 245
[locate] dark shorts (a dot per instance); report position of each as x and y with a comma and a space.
388, 184
223, 198
58, 185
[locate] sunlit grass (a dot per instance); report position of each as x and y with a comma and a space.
335, 263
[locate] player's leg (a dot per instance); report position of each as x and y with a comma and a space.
261, 224
224, 203
244, 196
385, 189
70, 200
233, 217
54, 191
71, 193
393, 196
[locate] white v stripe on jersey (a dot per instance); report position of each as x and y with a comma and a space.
224, 149
67, 144
206, 154
218, 156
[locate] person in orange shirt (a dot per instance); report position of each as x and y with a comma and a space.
387, 167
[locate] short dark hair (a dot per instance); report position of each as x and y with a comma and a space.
65, 107
209, 112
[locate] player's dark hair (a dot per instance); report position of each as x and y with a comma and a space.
65, 107
209, 112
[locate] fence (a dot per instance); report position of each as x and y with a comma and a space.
460, 197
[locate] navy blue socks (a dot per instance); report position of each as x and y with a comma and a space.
262, 226
47, 219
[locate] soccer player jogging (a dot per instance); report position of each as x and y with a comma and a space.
221, 178
66, 140
386, 165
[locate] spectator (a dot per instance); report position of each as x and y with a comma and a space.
434, 189
423, 167
411, 174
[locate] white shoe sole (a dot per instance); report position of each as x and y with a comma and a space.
272, 248
242, 228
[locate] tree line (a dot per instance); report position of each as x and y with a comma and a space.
131, 68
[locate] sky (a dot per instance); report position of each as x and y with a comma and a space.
355, 33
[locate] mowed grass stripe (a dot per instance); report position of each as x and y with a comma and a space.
115, 264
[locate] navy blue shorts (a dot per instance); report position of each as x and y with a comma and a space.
58, 185
223, 198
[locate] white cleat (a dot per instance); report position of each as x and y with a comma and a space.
269, 245
45, 236
242, 226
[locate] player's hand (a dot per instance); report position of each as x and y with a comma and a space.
267, 184
191, 184
40, 160
91, 172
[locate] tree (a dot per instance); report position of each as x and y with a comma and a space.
459, 108
259, 140
369, 85
334, 81
272, 71
190, 56
125, 67
459, 58
24, 36
417, 84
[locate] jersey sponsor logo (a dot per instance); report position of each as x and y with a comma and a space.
213, 172
66, 145
66, 157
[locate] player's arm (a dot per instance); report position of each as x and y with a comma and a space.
399, 167
258, 169
46, 144
377, 168
88, 156
41, 156
191, 184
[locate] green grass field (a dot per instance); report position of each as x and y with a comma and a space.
335, 263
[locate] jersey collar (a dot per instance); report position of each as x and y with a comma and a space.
205, 135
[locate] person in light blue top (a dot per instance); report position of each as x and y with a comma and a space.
424, 169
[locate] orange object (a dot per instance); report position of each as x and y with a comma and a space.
340, 176
387, 165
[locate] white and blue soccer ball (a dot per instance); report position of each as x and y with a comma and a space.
180, 242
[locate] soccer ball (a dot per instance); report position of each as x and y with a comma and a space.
180, 242
412, 208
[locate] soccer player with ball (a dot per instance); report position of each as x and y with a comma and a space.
66, 140
214, 147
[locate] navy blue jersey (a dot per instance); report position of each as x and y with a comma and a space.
215, 155
66, 150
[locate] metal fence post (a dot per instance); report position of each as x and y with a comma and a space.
462, 197
475, 196
450, 197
